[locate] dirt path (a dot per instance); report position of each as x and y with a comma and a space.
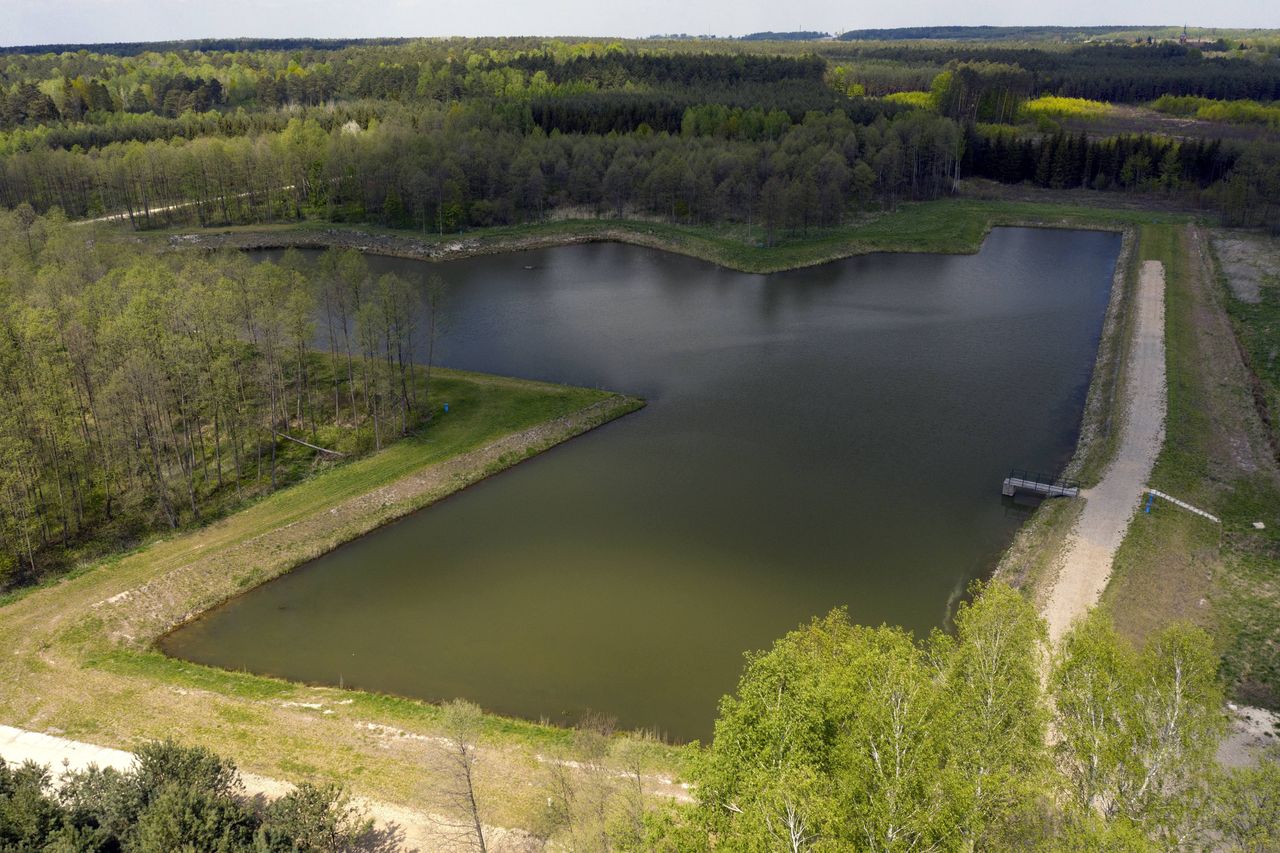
1110, 505
396, 827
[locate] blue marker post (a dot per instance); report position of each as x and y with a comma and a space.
1150, 500
446, 408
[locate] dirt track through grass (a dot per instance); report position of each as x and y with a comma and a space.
409, 829
1110, 505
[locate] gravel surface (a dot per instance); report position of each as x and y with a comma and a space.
1111, 504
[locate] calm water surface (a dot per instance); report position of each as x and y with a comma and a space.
829, 437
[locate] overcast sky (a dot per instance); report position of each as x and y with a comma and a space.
72, 21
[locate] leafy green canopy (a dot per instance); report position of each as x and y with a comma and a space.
174, 798
847, 737
862, 737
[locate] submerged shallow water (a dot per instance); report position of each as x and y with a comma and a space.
827, 437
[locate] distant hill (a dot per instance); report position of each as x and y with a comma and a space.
133, 48
986, 33
798, 35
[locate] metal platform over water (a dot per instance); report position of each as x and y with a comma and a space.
1038, 484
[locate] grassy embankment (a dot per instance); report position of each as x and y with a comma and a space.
1174, 565
948, 226
81, 649
1218, 456
77, 656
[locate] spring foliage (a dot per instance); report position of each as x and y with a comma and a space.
847, 737
174, 798
1234, 112
145, 390
1058, 107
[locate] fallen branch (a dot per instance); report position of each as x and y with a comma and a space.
309, 444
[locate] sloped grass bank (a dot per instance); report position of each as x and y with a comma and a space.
76, 658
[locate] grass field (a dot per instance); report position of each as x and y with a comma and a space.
1175, 565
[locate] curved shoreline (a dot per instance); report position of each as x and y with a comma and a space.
953, 226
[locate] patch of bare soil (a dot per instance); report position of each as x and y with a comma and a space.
1253, 733
1249, 263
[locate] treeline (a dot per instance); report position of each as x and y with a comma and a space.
981, 33
1243, 184
75, 98
461, 167
792, 35
664, 109
101, 129
145, 391
1250, 196
1068, 161
617, 68
232, 45
41, 89
173, 798
1236, 112
1116, 73
446, 135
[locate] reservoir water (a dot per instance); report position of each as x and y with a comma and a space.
828, 437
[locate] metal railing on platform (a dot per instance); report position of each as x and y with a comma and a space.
1020, 479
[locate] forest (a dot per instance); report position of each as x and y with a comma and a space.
445, 135
145, 392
